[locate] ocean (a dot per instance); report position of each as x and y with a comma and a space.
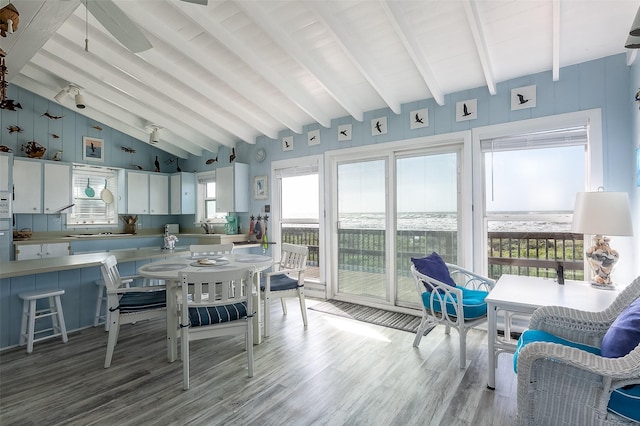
445, 221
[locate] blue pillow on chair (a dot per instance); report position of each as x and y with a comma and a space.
624, 334
434, 267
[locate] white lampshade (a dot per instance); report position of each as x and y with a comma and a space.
635, 27
602, 213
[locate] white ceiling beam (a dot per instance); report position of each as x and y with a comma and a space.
171, 43
39, 20
93, 114
475, 26
394, 13
100, 77
89, 85
260, 17
357, 55
158, 82
555, 66
297, 95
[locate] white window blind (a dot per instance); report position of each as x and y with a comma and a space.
574, 136
91, 210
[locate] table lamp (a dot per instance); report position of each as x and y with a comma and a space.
597, 214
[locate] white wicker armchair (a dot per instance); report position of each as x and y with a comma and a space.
562, 385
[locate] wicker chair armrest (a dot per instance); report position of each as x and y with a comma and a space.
572, 324
469, 278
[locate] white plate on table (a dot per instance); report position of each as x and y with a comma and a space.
165, 267
207, 256
211, 263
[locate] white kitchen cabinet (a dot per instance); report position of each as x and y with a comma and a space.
134, 189
183, 193
41, 186
41, 251
4, 171
232, 188
143, 193
158, 194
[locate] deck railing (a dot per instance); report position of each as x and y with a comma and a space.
519, 253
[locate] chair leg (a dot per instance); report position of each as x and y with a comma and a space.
267, 315
23, 324
463, 347
184, 337
96, 318
420, 332
250, 347
303, 306
284, 305
31, 328
114, 329
59, 317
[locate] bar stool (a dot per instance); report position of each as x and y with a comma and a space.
30, 315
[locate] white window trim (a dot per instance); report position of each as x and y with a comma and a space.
202, 177
594, 173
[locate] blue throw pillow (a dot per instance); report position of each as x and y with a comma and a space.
624, 334
434, 267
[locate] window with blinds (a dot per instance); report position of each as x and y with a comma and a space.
90, 209
206, 208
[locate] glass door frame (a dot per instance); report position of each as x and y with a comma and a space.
391, 150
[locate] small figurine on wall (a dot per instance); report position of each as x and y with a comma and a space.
9, 19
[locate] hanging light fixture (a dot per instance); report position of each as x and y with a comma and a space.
71, 90
632, 42
154, 136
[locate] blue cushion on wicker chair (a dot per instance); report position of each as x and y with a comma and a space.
280, 282
624, 334
216, 314
140, 301
473, 303
624, 402
530, 336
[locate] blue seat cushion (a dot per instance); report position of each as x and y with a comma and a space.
624, 401
530, 336
473, 304
279, 283
208, 315
624, 334
141, 301
435, 267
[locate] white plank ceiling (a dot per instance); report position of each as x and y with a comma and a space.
229, 71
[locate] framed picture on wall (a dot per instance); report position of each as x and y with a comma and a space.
92, 149
260, 190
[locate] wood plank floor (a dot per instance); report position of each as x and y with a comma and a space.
337, 372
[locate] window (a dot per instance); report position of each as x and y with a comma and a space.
530, 183
207, 199
89, 210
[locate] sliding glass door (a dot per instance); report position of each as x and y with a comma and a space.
389, 210
362, 216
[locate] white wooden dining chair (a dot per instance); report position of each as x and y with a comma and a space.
203, 250
286, 280
128, 304
213, 305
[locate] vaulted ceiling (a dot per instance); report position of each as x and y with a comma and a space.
229, 71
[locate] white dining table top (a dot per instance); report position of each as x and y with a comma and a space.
170, 269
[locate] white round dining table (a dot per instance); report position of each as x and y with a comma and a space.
170, 269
